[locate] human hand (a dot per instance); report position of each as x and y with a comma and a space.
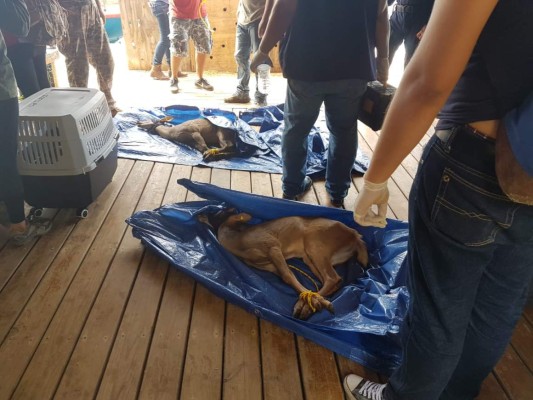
372, 194
421, 33
383, 70
258, 59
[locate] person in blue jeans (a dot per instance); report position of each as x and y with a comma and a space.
159, 10
470, 246
249, 15
327, 56
407, 24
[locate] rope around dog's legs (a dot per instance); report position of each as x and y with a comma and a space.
308, 297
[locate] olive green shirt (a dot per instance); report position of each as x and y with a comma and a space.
14, 18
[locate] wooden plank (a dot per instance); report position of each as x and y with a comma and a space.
491, 390
52, 353
242, 365
33, 267
202, 377
522, 342
320, 377
528, 313
83, 372
164, 367
12, 257
514, 376
347, 366
281, 375
124, 369
26, 333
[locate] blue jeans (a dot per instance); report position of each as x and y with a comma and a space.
341, 99
246, 42
403, 29
163, 46
469, 263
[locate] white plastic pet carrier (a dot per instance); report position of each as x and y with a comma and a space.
66, 147
64, 131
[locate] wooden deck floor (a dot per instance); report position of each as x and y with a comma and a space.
87, 313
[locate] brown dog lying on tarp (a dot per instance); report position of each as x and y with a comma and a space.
321, 243
214, 142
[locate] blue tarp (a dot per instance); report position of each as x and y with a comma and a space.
369, 308
257, 151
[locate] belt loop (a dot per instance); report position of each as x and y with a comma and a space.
449, 142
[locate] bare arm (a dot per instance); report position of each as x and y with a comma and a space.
280, 19
266, 17
14, 17
382, 30
429, 79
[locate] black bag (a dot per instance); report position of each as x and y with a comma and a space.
374, 104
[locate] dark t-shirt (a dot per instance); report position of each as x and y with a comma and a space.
331, 40
499, 74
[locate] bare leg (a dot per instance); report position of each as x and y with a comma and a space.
176, 66
200, 64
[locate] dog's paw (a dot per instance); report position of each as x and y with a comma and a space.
147, 125
210, 154
309, 303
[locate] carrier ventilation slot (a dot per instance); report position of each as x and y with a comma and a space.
97, 143
40, 142
92, 120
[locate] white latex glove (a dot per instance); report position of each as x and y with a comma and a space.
258, 59
372, 194
383, 70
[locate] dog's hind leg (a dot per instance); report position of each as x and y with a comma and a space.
330, 284
282, 269
316, 302
226, 145
199, 142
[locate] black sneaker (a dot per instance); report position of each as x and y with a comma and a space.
174, 85
203, 84
358, 388
334, 202
308, 182
238, 97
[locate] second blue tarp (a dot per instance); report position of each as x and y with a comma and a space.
369, 307
258, 151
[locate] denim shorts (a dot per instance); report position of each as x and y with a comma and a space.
196, 29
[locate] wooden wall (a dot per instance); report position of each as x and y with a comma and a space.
141, 35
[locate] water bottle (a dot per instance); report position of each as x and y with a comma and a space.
263, 78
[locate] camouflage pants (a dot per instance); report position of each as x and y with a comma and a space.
196, 29
87, 43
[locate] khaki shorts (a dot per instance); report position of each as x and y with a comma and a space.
196, 29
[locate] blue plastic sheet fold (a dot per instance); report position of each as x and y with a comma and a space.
369, 307
258, 151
